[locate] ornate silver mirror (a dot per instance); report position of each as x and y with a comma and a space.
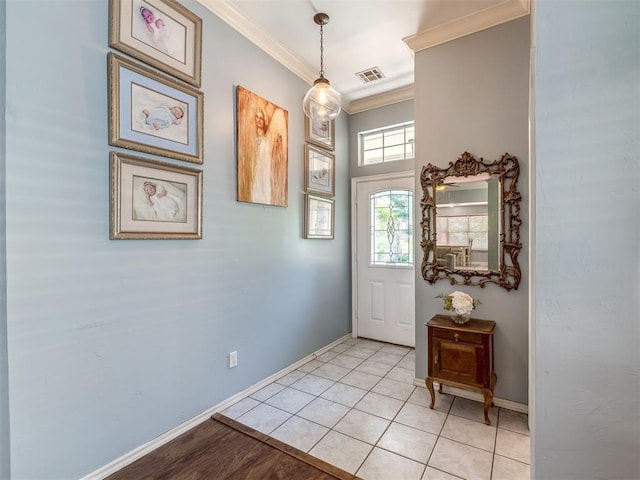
471, 222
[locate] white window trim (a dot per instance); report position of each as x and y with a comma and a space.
361, 136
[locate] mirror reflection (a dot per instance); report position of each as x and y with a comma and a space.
471, 221
468, 226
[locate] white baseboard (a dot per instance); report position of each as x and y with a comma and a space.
459, 392
166, 437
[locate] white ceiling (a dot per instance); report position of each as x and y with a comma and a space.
360, 34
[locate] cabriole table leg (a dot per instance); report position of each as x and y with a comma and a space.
488, 400
429, 383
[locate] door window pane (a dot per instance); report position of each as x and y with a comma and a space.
391, 228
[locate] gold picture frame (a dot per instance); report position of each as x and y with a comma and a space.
321, 133
319, 168
153, 113
161, 33
154, 200
319, 218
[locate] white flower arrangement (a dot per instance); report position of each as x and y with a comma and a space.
460, 302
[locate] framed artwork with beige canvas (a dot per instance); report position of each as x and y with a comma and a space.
263, 173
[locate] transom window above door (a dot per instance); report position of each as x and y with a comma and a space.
391, 228
386, 144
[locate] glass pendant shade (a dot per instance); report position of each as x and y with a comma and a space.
322, 102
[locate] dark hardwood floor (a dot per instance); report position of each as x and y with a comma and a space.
223, 449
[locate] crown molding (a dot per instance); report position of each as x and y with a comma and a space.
240, 22
487, 18
506, 11
381, 100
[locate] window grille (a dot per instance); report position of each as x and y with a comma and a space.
387, 144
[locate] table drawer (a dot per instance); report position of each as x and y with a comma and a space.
457, 335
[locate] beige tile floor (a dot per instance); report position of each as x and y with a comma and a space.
356, 407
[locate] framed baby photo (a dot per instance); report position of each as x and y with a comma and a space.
319, 169
154, 200
153, 113
319, 217
162, 33
321, 133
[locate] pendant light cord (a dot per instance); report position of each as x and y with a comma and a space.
321, 50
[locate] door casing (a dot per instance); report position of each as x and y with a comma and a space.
354, 240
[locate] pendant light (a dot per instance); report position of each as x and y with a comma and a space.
322, 101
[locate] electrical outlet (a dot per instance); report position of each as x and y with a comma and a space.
233, 359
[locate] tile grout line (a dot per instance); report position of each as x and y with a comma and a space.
354, 407
410, 353
390, 423
440, 432
495, 444
405, 402
319, 396
392, 420
351, 408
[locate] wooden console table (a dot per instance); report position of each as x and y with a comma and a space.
461, 356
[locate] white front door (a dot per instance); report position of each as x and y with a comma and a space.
383, 248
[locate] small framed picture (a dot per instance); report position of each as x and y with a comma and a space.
321, 133
319, 217
153, 113
154, 200
319, 168
162, 33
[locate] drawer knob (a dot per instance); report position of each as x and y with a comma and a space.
456, 337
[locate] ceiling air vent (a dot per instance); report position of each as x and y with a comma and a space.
370, 75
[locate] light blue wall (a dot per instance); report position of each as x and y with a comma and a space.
394, 114
112, 343
587, 342
4, 381
471, 94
